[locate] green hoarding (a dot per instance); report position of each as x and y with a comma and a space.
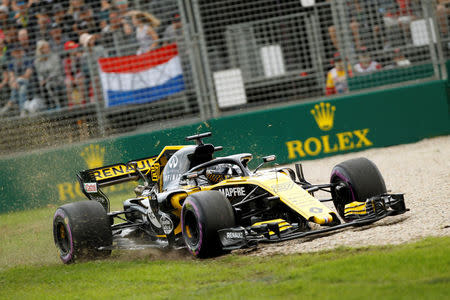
293, 133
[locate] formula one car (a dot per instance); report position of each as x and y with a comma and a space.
188, 199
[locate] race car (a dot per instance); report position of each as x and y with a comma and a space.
186, 198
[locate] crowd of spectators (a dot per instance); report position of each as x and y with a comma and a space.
46, 47
337, 77
375, 26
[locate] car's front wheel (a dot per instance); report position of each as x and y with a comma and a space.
80, 229
202, 215
355, 180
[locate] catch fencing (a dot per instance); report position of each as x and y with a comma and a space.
130, 67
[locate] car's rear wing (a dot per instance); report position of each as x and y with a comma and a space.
92, 180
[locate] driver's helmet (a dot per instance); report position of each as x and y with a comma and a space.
218, 173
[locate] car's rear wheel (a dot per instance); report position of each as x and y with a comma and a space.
80, 229
355, 180
202, 215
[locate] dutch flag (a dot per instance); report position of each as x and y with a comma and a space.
141, 78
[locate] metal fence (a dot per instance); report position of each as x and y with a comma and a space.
78, 70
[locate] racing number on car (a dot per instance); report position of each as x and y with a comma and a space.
316, 210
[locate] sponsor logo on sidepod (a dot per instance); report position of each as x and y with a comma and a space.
233, 192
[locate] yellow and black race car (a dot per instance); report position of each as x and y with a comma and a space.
213, 205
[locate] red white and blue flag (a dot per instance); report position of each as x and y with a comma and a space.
141, 78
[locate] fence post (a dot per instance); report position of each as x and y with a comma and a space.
98, 108
191, 39
203, 55
341, 26
190, 35
431, 9
427, 17
317, 55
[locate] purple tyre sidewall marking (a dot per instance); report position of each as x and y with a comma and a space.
69, 255
341, 176
196, 250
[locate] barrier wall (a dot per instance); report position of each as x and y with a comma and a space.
296, 132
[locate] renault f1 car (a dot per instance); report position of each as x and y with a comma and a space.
188, 199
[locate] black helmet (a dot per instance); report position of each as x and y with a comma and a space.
218, 173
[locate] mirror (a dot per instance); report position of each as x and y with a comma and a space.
269, 158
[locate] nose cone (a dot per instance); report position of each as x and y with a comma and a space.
322, 219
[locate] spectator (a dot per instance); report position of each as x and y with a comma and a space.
49, 72
366, 64
43, 22
122, 6
397, 12
3, 49
57, 38
38, 12
75, 9
365, 21
88, 41
4, 88
173, 32
400, 59
103, 14
397, 17
21, 16
118, 36
64, 21
82, 27
86, 22
74, 77
25, 43
11, 35
442, 12
19, 76
4, 16
89, 58
337, 77
145, 32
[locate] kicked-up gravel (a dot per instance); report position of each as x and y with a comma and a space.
420, 170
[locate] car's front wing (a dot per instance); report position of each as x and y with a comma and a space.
375, 209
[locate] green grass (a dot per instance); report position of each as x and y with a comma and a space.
26, 237
418, 271
30, 269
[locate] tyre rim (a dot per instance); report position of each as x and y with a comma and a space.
342, 197
192, 235
62, 238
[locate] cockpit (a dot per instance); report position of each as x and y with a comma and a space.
184, 160
198, 159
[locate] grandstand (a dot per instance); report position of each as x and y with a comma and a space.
78, 70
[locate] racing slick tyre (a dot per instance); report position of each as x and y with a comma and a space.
357, 180
79, 229
202, 215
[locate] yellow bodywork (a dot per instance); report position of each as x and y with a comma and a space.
282, 224
355, 208
289, 192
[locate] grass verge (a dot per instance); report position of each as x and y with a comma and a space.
26, 237
418, 270
30, 269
